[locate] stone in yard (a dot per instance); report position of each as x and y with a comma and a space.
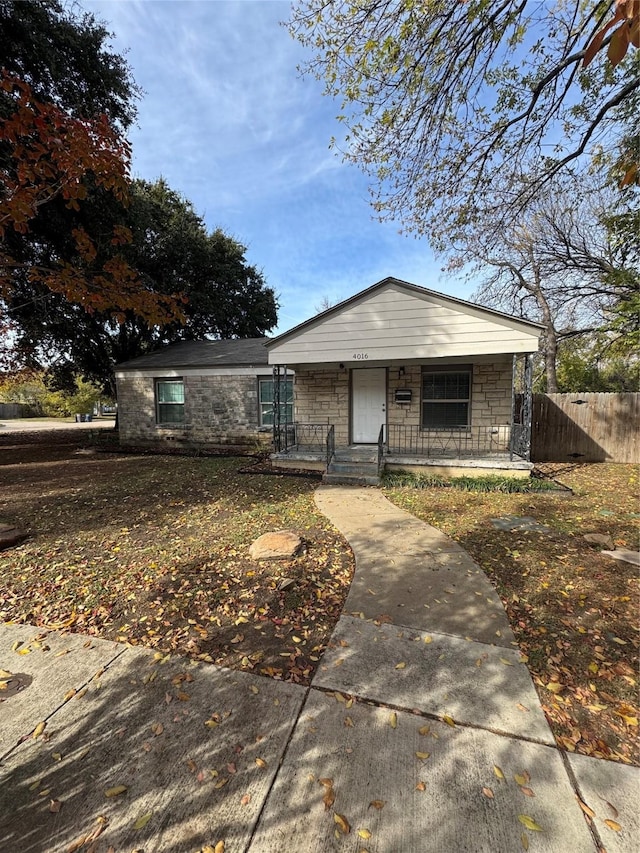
276, 546
599, 539
519, 523
10, 535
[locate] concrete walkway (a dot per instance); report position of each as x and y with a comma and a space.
421, 732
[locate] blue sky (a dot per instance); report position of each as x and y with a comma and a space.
227, 120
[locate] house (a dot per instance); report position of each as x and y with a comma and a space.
199, 393
402, 377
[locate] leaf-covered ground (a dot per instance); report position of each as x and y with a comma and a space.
574, 612
153, 550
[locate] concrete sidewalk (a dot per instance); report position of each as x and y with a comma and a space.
422, 725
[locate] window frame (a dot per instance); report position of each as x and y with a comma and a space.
466, 369
163, 380
287, 403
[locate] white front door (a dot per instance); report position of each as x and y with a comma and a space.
368, 403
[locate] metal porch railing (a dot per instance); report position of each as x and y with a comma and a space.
304, 437
409, 440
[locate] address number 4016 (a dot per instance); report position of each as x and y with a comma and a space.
361, 356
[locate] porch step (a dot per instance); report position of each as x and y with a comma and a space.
365, 469
358, 471
338, 479
356, 454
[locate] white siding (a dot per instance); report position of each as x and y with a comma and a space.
397, 323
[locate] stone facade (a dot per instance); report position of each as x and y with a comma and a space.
322, 396
217, 409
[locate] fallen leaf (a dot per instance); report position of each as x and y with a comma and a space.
254, 689
488, 793
401, 665
424, 730
421, 786
348, 722
245, 800
498, 771
506, 662
393, 720
261, 763
54, 806
364, 833
529, 822
377, 804
328, 783
448, 720
526, 791
428, 639
115, 791
423, 755
329, 798
520, 778
38, 730
613, 824
585, 808
157, 728
342, 822
143, 820
524, 840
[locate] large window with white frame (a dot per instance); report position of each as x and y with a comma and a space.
169, 401
266, 401
446, 398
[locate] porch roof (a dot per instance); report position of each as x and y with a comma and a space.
396, 320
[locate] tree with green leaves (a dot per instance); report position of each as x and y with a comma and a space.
222, 296
465, 111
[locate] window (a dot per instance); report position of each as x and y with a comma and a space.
446, 398
169, 401
266, 402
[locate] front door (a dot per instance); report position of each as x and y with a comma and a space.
368, 403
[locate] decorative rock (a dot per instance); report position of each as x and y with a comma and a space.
279, 545
285, 584
600, 539
10, 535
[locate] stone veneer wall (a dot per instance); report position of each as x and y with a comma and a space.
322, 396
218, 410
490, 394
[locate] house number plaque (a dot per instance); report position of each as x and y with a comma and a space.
361, 356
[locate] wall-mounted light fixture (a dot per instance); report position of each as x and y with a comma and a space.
341, 366
400, 372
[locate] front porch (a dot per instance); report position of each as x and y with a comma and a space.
475, 451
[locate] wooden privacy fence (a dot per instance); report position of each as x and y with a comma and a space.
585, 427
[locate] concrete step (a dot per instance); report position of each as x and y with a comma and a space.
349, 455
368, 469
349, 479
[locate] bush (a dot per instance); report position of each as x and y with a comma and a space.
485, 483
